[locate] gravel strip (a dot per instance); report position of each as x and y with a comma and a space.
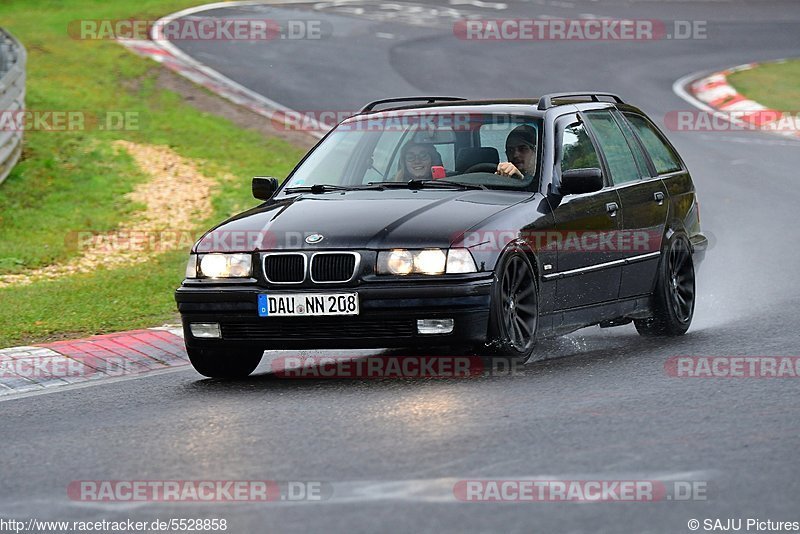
175, 198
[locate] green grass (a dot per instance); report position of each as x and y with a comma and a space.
70, 182
103, 301
775, 85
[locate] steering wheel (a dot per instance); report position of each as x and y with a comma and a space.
482, 167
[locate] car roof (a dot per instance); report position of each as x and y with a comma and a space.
510, 106
529, 107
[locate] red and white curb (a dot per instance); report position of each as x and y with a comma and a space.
713, 93
170, 56
125, 354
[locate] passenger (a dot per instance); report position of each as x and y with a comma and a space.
521, 153
416, 160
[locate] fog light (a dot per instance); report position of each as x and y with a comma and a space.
206, 330
435, 326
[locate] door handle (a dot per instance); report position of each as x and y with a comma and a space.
612, 208
658, 196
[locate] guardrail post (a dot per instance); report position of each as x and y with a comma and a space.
12, 100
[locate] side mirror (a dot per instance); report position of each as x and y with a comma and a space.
577, 181
264, 187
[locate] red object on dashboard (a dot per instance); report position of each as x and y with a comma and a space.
437, 172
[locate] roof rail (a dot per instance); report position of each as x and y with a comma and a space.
546, 101
428, 99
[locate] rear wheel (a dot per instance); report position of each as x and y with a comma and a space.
224, 363
514, 317
674, 297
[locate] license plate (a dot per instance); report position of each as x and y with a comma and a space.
302, 304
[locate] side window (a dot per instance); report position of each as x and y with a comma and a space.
615, 147
577, 151
384, 150
664, 159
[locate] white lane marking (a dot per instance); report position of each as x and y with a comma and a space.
479, 3
751, 140
175, 330
217, 76
384, 35
679, 88
431, 490
440, 490
92, 383
27, 350
36, 388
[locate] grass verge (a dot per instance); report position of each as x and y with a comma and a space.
775, 85
72, 182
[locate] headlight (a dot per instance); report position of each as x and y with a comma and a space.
428, 261
225, 266
431, 261
398, 261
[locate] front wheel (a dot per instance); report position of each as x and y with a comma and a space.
224, 363
514, 316
674, 296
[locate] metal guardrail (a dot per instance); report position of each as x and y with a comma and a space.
12, 99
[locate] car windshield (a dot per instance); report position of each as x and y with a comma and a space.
380, 150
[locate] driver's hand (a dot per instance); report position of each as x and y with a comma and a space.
508, 169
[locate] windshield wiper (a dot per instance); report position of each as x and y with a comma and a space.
439, 184
324, 188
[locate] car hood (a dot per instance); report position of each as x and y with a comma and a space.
359, 220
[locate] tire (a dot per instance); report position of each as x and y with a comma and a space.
224, 363
514, 314
674, 296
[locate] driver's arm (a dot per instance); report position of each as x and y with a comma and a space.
509, 169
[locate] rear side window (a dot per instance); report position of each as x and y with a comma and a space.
633, 143
664, 159
577, 150
615, 147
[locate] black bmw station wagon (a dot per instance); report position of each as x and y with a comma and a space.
440, 221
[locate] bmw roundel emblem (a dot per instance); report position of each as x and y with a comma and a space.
314, 238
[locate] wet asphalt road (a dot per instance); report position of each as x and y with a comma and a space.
600, 406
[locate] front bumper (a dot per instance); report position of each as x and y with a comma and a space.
388, 315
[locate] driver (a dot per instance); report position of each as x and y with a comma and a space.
521, 153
